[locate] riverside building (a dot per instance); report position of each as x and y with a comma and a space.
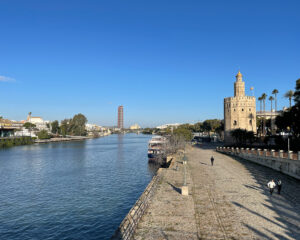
239, 111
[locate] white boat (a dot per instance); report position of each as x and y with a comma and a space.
157, 146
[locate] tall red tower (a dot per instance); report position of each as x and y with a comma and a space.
120, 117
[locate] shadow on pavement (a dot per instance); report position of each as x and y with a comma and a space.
175, 188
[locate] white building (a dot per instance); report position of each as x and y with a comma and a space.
38, 122
175, 125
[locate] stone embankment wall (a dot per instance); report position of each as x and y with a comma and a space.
285, 162
128, 225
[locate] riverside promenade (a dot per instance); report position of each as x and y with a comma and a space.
229, 200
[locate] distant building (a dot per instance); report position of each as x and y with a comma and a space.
135, 127
175, 125
38, 122
120, 117
240, 110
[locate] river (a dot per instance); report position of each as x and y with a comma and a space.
71, 190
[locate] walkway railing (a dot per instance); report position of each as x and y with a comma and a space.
259, 152
128, 225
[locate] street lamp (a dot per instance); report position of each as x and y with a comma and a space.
289, 129
184, 189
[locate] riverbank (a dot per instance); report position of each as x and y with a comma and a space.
67, 139
7, 142
63, 139
229, 200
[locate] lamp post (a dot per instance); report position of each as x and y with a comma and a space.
184, 189
289, 129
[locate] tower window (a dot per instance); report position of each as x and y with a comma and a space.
243, 109
234, 122
249, 109
250, 121
233, 109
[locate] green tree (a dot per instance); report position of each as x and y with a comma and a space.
260, 101
43, 134
183, 131
65, 127
78, 125
289, 94
29, 125
297, 93
263, 97
55, 127
271, 99
275, 92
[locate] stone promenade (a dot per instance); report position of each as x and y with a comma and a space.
229, 200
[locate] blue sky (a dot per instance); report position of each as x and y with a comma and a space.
165, 61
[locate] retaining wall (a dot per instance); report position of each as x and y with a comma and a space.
128, 225
285, 162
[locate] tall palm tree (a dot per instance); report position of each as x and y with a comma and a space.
275, 91
263, 97
289, 94
271, 99
260, 101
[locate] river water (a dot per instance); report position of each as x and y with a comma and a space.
71, 190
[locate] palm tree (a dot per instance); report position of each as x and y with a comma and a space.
260, 101
263, 97
275, 91
271, 99
289, 94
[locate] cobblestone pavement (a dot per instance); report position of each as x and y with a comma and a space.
229, 200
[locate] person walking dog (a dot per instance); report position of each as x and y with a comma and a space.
212, 160
271, 186
279, 185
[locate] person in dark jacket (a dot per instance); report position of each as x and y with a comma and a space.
212, 160
279, 185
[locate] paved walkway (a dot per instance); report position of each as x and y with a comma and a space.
229, 200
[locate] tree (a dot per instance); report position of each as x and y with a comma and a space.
78, 125
297, 93
289, 94
29, 125
242, 136
263, 97
183, 131
271, 99
55, 127
260, 101
65, 127
275, 92
43, 135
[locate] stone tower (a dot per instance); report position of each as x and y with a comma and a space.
240, 110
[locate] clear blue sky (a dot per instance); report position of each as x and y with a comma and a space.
165, 61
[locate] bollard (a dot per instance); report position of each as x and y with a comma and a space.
253, 151
281, 153
290, 155
298, 155
247, 150
237, 150
265, 152
258, 152
272, 152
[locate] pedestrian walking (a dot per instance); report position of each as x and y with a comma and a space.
212, 160
271, 186
279, 185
